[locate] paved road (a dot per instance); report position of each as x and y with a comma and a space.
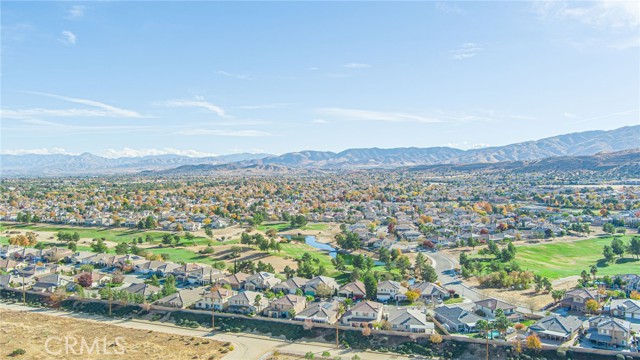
247, 346
445, 267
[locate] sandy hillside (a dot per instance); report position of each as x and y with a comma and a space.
28, 331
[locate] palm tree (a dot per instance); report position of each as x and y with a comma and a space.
593, 271
341, 310
482, 326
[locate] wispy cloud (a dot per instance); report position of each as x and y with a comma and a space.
479, 115
598, 14
354, 65
605, 116
319, 121
68, 38
40, 151
218, 132
201, 104
467, 50
264, 106
464, 145
38, 126
96, 109
369, 115
233, 75
76, 12
130, 152
448, 8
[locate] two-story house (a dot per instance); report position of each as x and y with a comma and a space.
291, 285
286, 307
576, 299
353, 290
312, 286
391, 290
490, 306
325, 312
261, 281
609, 332
247, 302
430, 291
218, 298
234, 281
364, 313
625, 308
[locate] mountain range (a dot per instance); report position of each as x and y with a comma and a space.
574, 145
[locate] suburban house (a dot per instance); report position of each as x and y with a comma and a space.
97, 278
203, 275
577, 298
557, 328
456, 318
311, 287
489, 307
219, 298
609, 332
235, 281
409, 320
391, 290
364, 313
353, 290
143, 289
286, 307
625, 308
290, 286
51, 282
430, 291
261, 281
181, 299
247, 302
320, 312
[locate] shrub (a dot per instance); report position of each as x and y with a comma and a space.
18, 352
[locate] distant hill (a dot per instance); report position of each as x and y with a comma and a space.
572, 145
583, 143
89, 164
625, 162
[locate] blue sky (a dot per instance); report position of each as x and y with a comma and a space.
202, 78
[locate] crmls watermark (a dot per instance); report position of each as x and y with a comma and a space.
78, 345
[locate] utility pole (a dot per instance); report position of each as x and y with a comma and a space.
213, 312
109, 287
24, 293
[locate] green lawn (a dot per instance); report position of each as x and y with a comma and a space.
182, 255
570, 258
284, 226
453, 300
118, 235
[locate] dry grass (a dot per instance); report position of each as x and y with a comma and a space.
29, 331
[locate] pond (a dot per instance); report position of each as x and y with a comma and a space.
311, 240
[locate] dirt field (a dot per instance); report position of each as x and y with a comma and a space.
526, 298
30, 332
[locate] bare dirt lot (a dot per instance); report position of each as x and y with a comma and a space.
30, 332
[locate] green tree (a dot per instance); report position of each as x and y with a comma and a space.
429, 274
634, 247
617, 247
608, 253
122, 248
371, 286
169, 286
